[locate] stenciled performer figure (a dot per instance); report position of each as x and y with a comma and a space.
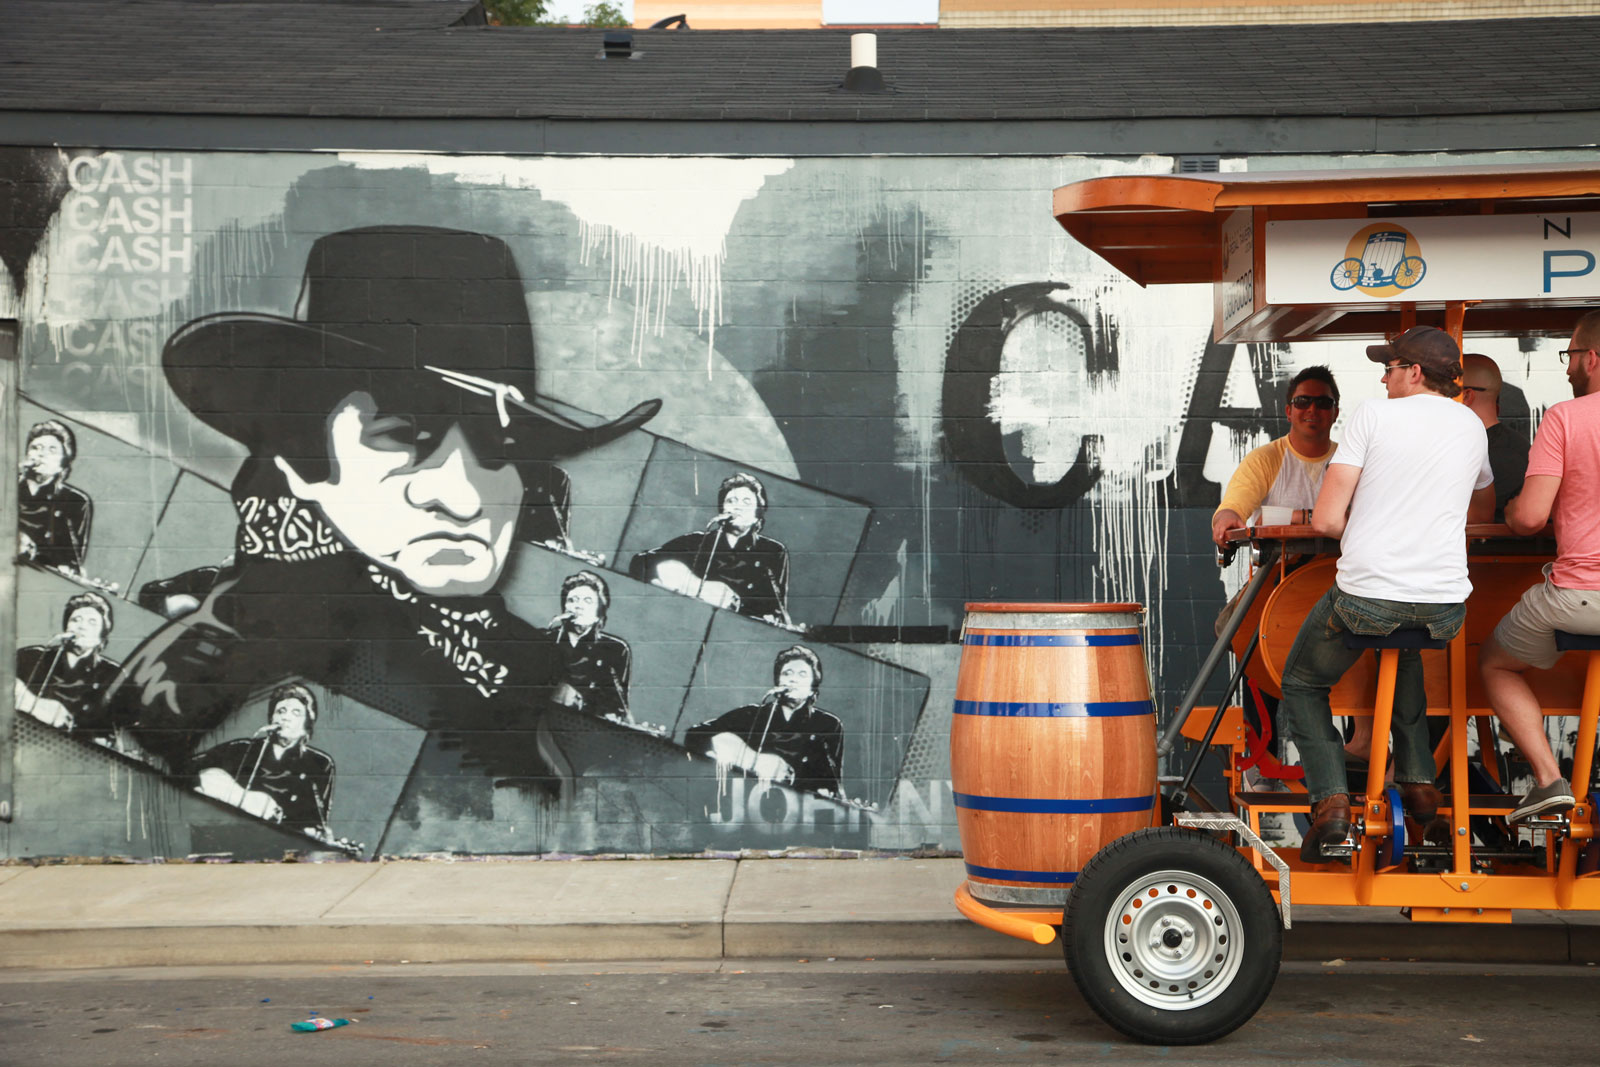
378, 511
53, 517
275, 774
595, 665
728, 564
785, 738
63, 681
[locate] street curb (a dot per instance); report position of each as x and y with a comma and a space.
956, 939
204, 945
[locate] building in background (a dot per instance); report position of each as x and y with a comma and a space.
973, 14
855, 296
788, 14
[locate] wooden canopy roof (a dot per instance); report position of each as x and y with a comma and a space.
1167, 229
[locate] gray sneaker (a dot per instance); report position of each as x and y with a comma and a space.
1555, 797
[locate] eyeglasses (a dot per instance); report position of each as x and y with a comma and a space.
1474, 388
1389, 368
1321, 403
1566, 354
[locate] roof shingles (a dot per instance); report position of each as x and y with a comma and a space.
415, 58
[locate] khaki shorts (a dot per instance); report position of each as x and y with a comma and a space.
1528, 630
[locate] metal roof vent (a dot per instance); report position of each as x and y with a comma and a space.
617, 44
1197, 164
864, 76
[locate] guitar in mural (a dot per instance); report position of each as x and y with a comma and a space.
63, 681
783, 738
729, 564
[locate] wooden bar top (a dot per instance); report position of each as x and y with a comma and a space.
1301, 538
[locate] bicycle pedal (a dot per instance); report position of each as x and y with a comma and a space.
1343, 850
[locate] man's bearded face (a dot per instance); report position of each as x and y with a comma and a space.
423, 505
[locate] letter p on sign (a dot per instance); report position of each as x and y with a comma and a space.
1550, 272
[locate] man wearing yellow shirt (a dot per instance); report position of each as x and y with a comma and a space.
1285, 475
1283, 478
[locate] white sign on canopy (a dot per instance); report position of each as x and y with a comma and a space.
1433, 259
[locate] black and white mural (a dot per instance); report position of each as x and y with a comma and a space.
401, 505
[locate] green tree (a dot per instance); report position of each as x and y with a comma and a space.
605, 16
515, 12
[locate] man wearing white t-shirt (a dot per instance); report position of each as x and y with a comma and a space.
1411, 472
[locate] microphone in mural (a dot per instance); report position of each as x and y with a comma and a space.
393, 429
783, 738
728, 564
275, 774
62, 682
595, 665
53, 518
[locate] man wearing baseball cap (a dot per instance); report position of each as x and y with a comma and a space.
1563, 480
1411, 472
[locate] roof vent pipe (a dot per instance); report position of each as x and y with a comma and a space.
864, 76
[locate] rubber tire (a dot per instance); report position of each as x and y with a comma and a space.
1127, 859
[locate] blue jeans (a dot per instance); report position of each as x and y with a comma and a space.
1319, 659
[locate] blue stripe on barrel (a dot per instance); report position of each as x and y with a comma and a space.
1053, 709
1052, 640
1006, 874
1054, 806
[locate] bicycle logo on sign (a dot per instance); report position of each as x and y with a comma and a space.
1387, 262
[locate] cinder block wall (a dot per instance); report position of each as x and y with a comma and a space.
317, 448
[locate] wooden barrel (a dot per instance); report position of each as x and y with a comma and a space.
1052, 745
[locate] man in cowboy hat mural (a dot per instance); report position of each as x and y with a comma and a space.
397, 443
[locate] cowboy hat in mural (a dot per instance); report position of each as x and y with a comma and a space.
394, 430
430, 322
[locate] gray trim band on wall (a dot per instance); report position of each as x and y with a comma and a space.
1228, 135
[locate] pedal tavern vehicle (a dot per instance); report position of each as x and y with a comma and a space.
1170, 908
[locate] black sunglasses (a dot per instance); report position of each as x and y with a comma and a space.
1321, 403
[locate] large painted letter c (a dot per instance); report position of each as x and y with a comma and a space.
973, 440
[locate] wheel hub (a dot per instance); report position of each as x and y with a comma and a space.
1173, 940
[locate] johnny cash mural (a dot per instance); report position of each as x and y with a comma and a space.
405, 505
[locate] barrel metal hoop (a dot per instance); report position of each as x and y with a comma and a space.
1036, 640
1050, 621
1055, 709
1054, 805
1017, 894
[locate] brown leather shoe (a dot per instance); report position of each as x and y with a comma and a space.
1421, 800
1330, 824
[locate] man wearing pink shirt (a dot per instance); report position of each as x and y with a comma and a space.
1563, 478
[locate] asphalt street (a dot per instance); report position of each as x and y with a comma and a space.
809, 1012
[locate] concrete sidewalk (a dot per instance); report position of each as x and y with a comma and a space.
597, 910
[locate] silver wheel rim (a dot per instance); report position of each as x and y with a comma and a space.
1174, 940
